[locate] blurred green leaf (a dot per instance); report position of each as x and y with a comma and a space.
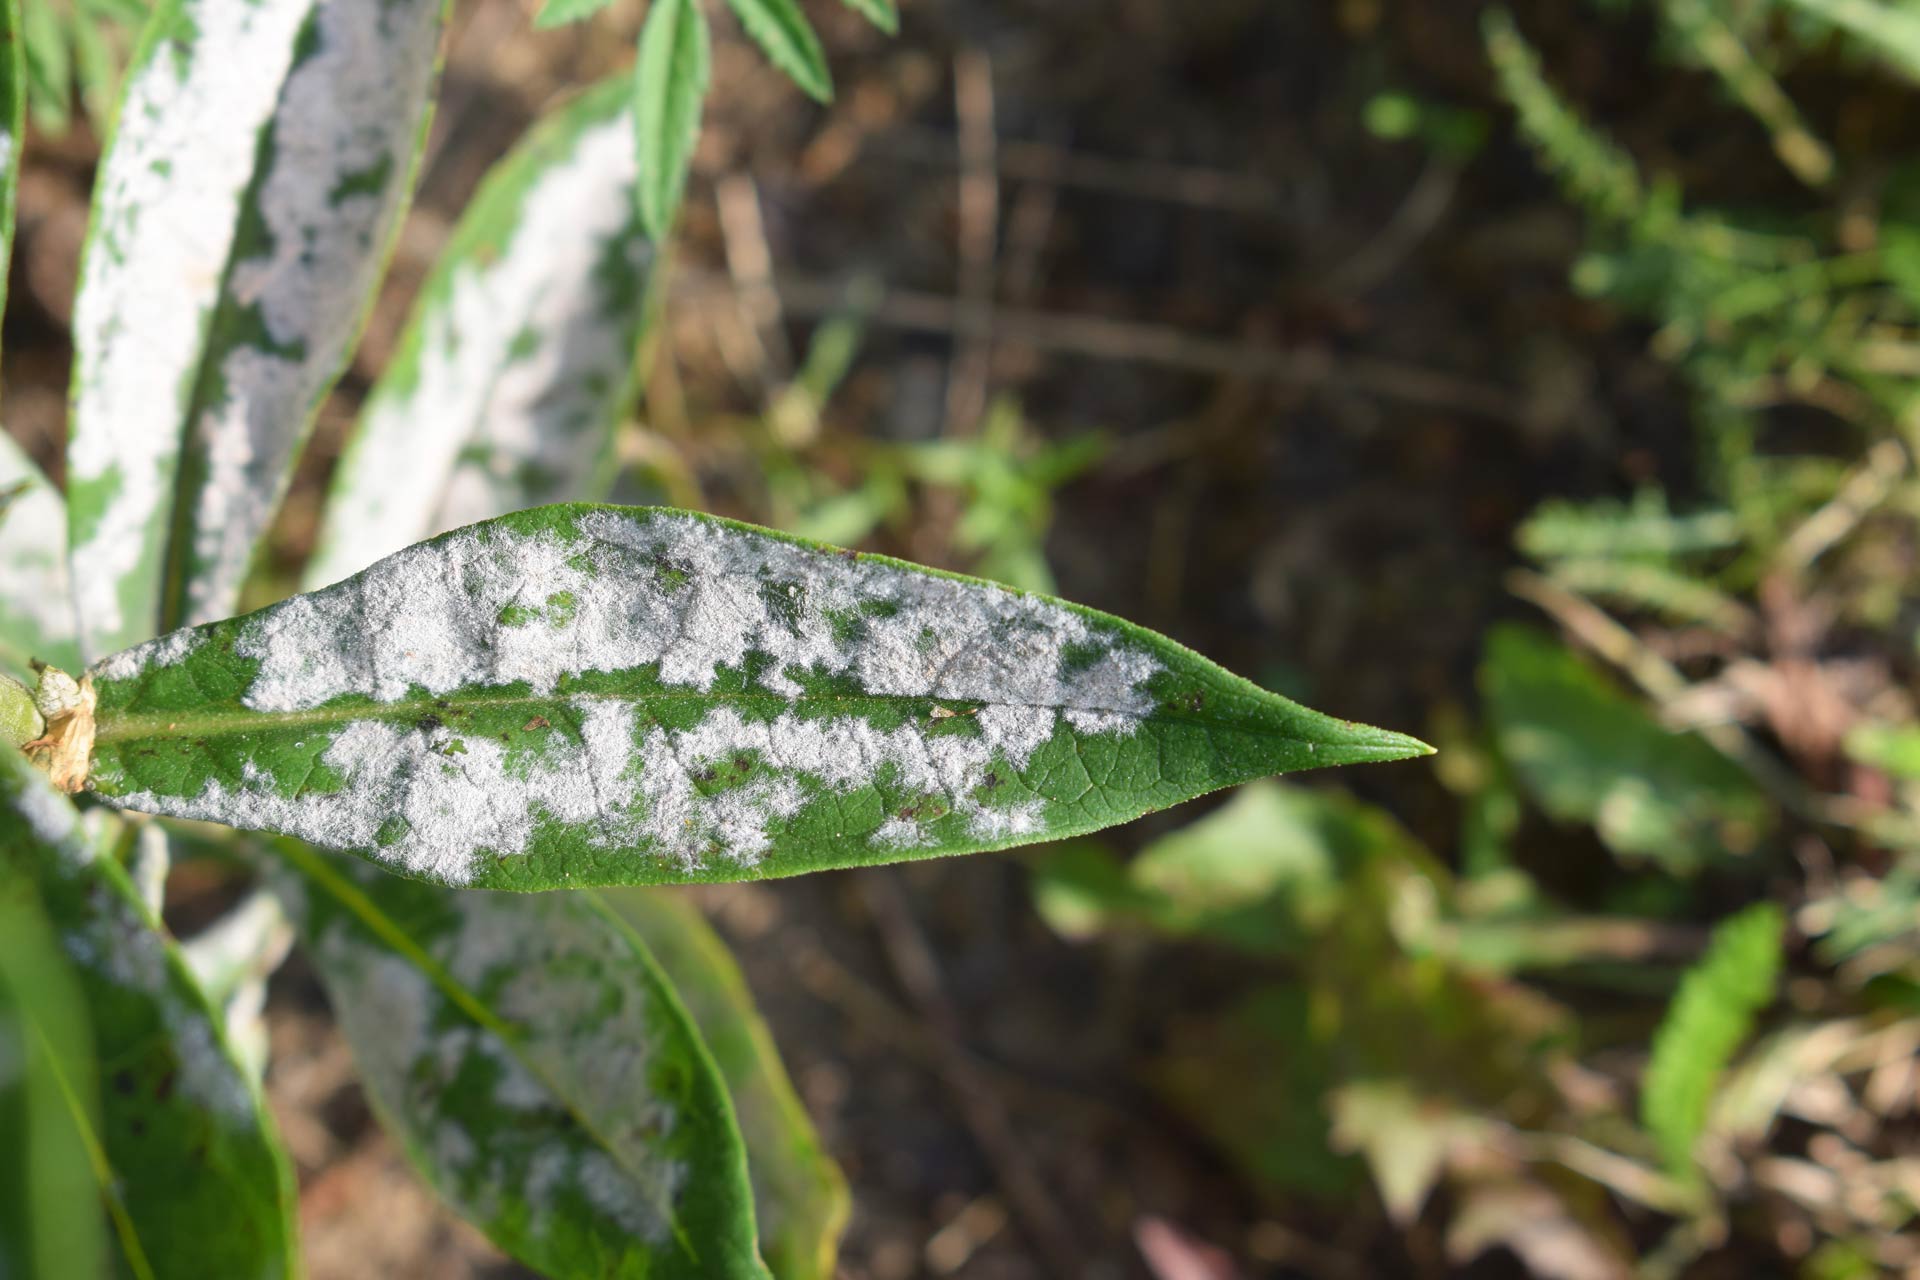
1611, 530
1351, 902
558, 13
1277, 1132
1711, 1014
799, 1197
670, 81
880, 13
51, 1226
1263, 872
538, 1067
785, 36
1894, 749
173, 1099
1588, 753
1891, 30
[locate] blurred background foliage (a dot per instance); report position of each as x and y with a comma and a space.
1543, 378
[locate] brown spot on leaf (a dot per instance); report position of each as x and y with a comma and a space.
538, 722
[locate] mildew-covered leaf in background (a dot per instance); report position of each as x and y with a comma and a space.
192, 1175
242, 216
799, 1197
538, 1068
519, 360
36, 610
582, 695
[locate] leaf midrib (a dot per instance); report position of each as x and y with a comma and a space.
118, 728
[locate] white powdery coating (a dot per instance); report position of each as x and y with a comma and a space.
517, 365
166, 213
127, 951
52, 820
350, 111
453, 797
36, 608
692, 596
167, 651
567, 981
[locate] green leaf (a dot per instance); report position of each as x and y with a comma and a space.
539, 1069
783, 34
670, 80
51, 1226
519, 361
1279, 1133
13, 92
1891, 748
1263, 872
799, 1198
36, 610
1890, 30
243, 213
48, 65
558, 13
1711, 1014
189, 1168
881, 13
1588, 753
581, 695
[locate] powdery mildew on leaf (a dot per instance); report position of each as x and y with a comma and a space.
699, 602
172, 1097
36, 609
520, 355
562, 1131
338, 164
165, 216
119, 946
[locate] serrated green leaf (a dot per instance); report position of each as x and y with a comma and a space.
785, 36
190, 1171
800, 1200
36, 611
244, 209
1588, 753
558, 13
519, 360
51, 1226
881, 13
1711, 1014
538, 1068
581, 695
670, 82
